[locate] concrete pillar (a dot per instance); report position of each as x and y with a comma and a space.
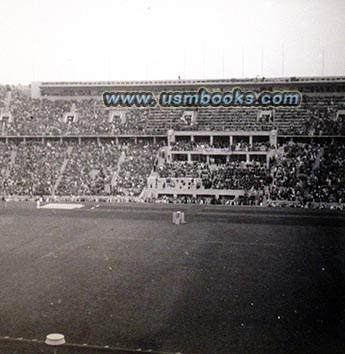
211, 139
171, 137
274, 138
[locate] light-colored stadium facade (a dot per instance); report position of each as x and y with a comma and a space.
333, 85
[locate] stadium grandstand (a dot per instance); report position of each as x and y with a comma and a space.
58, 141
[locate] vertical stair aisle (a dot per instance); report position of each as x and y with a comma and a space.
62, 170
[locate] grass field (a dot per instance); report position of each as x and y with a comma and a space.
229, 281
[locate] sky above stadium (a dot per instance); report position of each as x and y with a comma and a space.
80, 40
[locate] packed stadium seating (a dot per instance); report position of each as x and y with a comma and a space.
89, 169
37, 159
139, 161
308, 173
316, 116
34, 169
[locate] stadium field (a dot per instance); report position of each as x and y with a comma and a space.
231, 280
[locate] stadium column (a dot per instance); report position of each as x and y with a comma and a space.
189, 157
192, 138
251, 140
273, 138
231, 140
211, 140
171, 137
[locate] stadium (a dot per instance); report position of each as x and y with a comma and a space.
59, 142
172, 177
258, 266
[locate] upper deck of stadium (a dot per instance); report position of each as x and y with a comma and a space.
321, 84
58, 109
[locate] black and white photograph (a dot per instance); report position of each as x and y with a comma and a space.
172, 177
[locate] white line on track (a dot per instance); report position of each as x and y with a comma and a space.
136, 239
196, 241
91, 347
50, 254
254, 244
201, 241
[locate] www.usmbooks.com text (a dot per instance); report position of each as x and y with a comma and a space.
203, 98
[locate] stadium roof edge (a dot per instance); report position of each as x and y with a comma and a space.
257, 80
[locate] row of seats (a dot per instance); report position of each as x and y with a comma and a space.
316, 116
301, 173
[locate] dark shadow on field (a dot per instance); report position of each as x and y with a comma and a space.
243, 301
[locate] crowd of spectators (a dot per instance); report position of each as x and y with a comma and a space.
240, 146
322, 115
139, 161
293, 172
89, 170
35, 116
235, 175
300, 173
5, 156
328, 182
232, 175
209, 200
35, 168
180, 169
317, 115
309, 173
